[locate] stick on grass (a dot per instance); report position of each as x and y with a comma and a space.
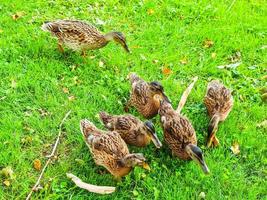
89, 187
185, 95
36, 186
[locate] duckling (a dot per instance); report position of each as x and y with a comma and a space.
219, 103
110, 151
180, 135
142, 96
78, 35
132, 130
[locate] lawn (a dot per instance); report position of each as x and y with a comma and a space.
171, 42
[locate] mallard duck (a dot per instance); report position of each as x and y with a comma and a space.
180, 135
143, 96
110, 151
219, 103
78, 35
131, 129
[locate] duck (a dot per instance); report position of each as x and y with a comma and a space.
143, 96
80, 36
132, 130
180, 136
219, 102
110, 151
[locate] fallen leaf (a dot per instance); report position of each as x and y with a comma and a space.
7, 183
184, 61
71, 98
213, 55
101, 63
202, 195
37, 164
234, 65
43, 112
263, 124
208, 43
166, 71
13, 83
17, 15
150, 11
7, 172
65, 90
235, 148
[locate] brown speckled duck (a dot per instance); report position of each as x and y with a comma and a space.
180, 135
110, 151
145, 97
219, 103
78, 35
131, 129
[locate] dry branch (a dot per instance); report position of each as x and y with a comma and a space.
89, 187
185, 95
36, 186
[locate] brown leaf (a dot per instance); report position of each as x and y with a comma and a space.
235, 148
166, 71
65, 90
37, 164
184, 61
208, 43
6, 183
150, 11
17, 15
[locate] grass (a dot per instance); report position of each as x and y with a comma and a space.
160, 34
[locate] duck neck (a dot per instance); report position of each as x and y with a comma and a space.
109, 36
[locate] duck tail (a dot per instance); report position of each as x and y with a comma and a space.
133, 77
87, 128
106, 119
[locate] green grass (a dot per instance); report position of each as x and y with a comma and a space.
177, 29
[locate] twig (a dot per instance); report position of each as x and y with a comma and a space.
89, 187
185, 95
35, 187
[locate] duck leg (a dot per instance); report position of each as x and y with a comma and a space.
127, 106
60, 47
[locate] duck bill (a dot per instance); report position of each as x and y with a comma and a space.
125, 46
156, 140
146, 166
203, 166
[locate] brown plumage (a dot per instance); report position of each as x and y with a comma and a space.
219, 103
131, 129
144, 96
78, 35
109, 150
180, 135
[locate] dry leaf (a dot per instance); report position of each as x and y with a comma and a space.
234, 65
7, 183
17, 15
263, 124
166, 71
13, 83
37, 164
235, 148
150, 11
7, 172
208, 43
65, 90
213, 55
184, 61
101, 63
71, 98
